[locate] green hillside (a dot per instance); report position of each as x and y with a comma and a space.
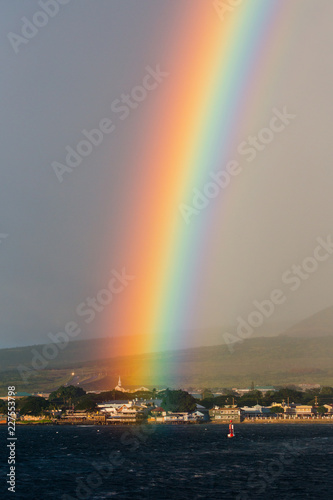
278, 361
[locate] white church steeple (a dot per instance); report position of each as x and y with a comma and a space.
119, 387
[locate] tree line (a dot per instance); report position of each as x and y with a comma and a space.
171, 400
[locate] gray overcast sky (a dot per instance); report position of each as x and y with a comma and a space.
63, 81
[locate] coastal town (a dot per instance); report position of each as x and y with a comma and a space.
255, 404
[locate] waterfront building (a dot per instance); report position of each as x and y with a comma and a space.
256, 411
113, 406
298, 411
73, 416
329, 409
82, 417
127, 414
123, 411
169, 417
223, 415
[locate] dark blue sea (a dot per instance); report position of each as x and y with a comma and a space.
171, 462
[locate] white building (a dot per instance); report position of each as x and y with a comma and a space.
169, 417
256, 411
119, 386
298, 411
113, 406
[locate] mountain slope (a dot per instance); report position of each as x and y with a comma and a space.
317, 325
277, 361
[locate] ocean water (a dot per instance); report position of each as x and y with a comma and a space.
171, 462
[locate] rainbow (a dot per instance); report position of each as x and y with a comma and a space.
222, 74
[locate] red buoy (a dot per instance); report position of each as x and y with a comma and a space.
231, 430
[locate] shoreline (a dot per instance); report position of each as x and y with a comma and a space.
289, 421
249, 422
